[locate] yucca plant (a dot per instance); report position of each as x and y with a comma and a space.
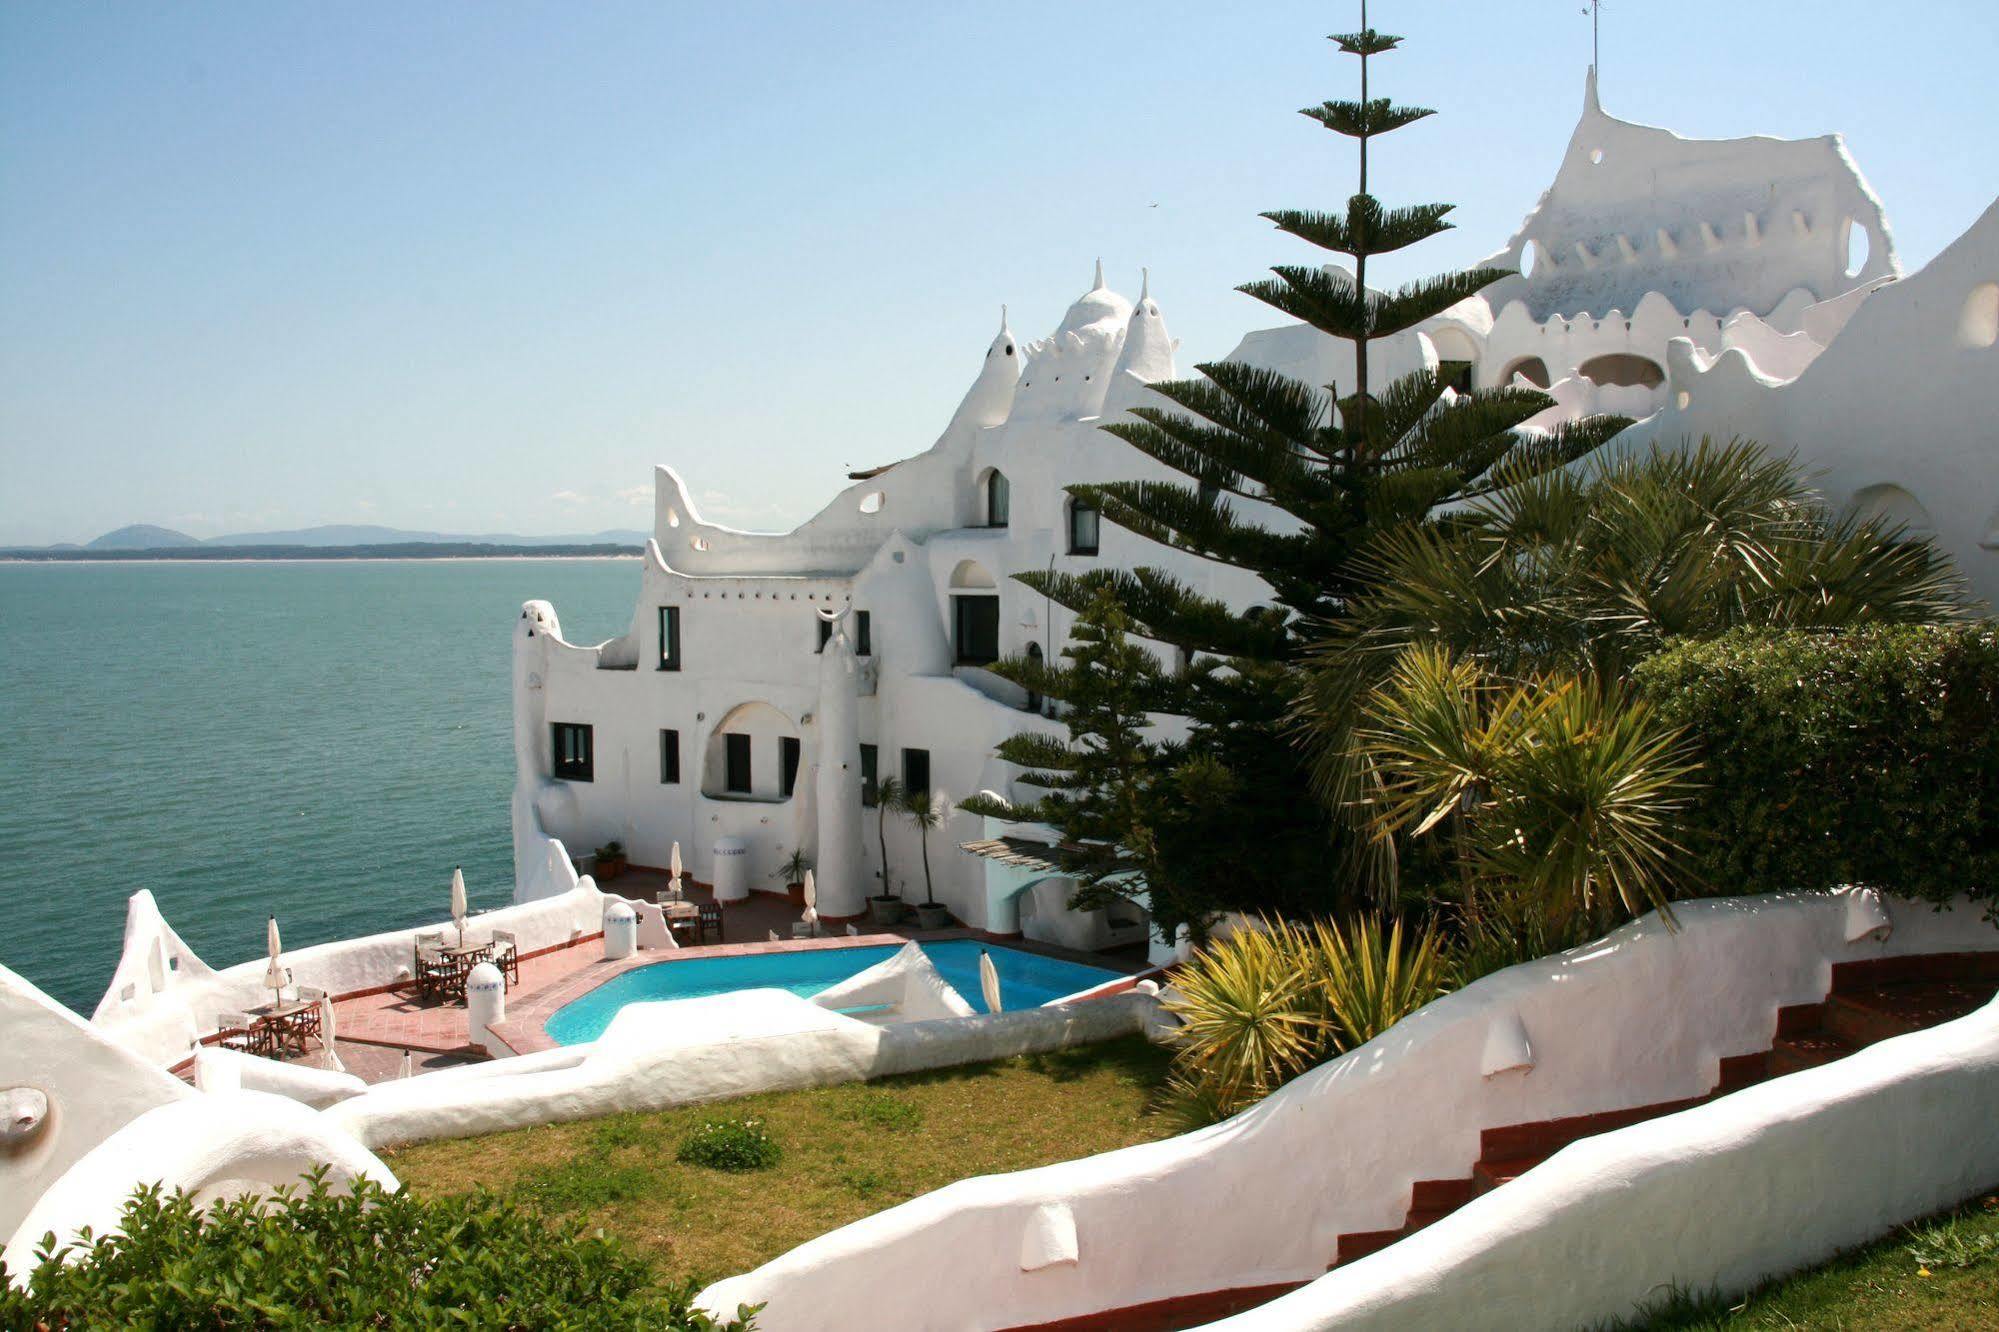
1265, 1004
1248, 1024
1560, 791
1370, 978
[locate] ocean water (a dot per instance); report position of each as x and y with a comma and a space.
1027, 980
321, 740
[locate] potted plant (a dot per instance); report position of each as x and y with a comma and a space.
926, 811
610, 859
885, 908
791, 873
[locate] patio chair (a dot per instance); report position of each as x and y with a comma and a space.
427, 968
309, 1021
710, 919
507, 955
240, 1033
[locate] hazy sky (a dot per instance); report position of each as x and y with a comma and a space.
479, 266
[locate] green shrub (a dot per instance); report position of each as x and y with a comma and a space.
1869, 756
365, 1259
730, 1144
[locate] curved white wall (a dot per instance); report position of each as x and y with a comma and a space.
1641, 1017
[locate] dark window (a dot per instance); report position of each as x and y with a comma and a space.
669, 638
572, 751
825, 634
864, 634
669, 756
1082, 529
977, 629
870, 776
736, 763
998, 500
1034, 658
916, 771
787, 762
1455, 375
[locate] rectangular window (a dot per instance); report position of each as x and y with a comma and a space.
999, 500
977, 629
736, 763
916, 770
864, 637
825, 634
669, 757
571, 742
669, 638
787, 763
1082, 529
870, 776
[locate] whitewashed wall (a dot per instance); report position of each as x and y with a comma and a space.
1641, 1017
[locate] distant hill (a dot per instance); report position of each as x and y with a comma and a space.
361, 534
142, 536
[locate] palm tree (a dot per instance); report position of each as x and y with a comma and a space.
1593, 569
925, 811
888, 796
1560, 792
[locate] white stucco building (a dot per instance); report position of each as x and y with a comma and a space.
1651, 262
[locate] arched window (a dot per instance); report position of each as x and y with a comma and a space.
1532, 368
752, 754
1622, 370
1083, 528
975, 614
999, 497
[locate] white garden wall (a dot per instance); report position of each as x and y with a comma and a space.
1770, 1179
1641, 1017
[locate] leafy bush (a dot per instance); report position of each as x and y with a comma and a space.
730, 1144
1262, 1006
364, 1259
1869, 756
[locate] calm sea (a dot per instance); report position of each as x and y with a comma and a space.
320, 740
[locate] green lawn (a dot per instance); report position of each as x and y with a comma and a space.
847, 1152
1940, 1274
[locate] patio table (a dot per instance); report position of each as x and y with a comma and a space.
285, 1026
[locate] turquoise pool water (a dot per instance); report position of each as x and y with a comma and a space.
1027, 980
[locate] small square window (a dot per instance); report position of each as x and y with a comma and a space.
571, 742
669, 638
669, 757
825, 634
736, 764
788, 753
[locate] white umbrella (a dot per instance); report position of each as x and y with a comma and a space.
458, 908
673, 863
409, 1065
989, 981
811, 916
274, 975
330, 1057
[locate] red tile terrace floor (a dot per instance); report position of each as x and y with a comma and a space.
372, 1030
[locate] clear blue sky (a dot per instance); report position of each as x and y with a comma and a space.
478, 266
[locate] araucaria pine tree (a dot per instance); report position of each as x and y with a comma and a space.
1295, 482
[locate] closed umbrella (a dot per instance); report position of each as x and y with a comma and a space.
811, 903
458, 908
409, 1065
274, 975
989, 981
673, 871
330, 1057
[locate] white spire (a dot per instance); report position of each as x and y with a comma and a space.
1144, 283
1098, 285
1003, 328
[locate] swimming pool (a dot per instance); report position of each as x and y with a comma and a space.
1027, 980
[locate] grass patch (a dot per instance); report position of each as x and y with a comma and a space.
847, 1152
1940, 1273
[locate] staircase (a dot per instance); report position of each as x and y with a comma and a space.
1869, 1002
